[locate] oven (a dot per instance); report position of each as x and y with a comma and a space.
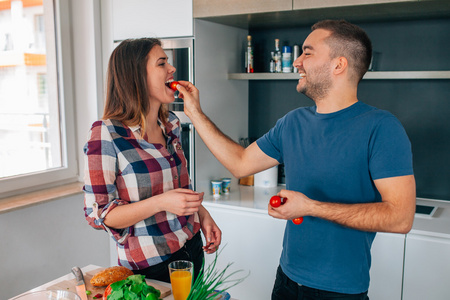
180, 54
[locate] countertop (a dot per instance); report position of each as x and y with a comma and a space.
84, 269
255, 199
244, 198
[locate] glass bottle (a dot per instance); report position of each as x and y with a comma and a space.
249, 55
277, 56
272, 63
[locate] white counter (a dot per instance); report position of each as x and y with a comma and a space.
438, 225
256, 199
244, 198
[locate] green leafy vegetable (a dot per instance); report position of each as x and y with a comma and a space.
208, 282
133, 288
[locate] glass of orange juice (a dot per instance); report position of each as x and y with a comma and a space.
181, 278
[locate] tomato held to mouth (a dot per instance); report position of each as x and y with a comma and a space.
172, 85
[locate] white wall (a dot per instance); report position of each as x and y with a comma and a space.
43, 242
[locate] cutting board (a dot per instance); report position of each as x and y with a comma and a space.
69, 285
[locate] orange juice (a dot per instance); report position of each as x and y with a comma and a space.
181, 284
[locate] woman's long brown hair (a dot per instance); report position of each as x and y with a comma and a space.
127, 96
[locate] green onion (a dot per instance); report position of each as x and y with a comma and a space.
209, 282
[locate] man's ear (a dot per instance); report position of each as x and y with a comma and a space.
341, 65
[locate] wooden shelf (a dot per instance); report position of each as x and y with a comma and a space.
380, 75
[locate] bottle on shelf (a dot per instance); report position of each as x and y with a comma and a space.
277, 56
249, 55
295, 55
272, 63
286, 59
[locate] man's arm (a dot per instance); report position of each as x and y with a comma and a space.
238, 160
395, 213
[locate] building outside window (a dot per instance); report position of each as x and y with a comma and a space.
36, 115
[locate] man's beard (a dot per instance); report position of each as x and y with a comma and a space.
318, 83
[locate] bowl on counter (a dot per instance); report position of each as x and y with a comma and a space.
49, 295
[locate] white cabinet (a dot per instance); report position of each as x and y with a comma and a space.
308, 4
151, 18
214, 8
252, 242
427, 267
386, 273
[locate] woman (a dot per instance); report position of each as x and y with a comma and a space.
137, 186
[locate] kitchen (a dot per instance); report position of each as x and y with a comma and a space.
35, 252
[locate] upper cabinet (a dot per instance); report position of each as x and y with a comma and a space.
214, 8
151, 18
306, 4
264, 14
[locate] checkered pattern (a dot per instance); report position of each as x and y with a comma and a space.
121, 168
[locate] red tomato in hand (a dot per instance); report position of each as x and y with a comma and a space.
173, 85
276, 201
297, 221
107, 292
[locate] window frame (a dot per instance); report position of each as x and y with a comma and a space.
68, 172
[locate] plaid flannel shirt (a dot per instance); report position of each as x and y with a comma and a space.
121, 168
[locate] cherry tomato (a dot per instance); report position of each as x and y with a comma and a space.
172, 85
276, 201
107, 292
297, 221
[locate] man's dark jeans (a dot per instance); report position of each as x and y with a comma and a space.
286, 289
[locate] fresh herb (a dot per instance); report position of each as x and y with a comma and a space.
88, 292
208, 283
133, 288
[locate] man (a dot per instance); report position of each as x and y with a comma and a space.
348, 168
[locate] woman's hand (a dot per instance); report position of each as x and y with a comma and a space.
191, 97
182, 202
211, 231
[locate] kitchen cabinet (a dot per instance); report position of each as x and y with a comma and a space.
306, 4
214, 8
156, 18
254, 14
252, 241
242, 217
427, 267
386, 272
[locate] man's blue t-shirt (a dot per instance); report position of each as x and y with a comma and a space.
335, 158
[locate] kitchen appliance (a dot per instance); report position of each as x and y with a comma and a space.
267, 178
180, 54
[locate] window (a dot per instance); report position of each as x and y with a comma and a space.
36, 115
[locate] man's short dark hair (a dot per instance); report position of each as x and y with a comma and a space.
349, 41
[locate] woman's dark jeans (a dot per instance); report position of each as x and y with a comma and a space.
191, 251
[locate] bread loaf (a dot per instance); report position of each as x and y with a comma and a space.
110, 275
